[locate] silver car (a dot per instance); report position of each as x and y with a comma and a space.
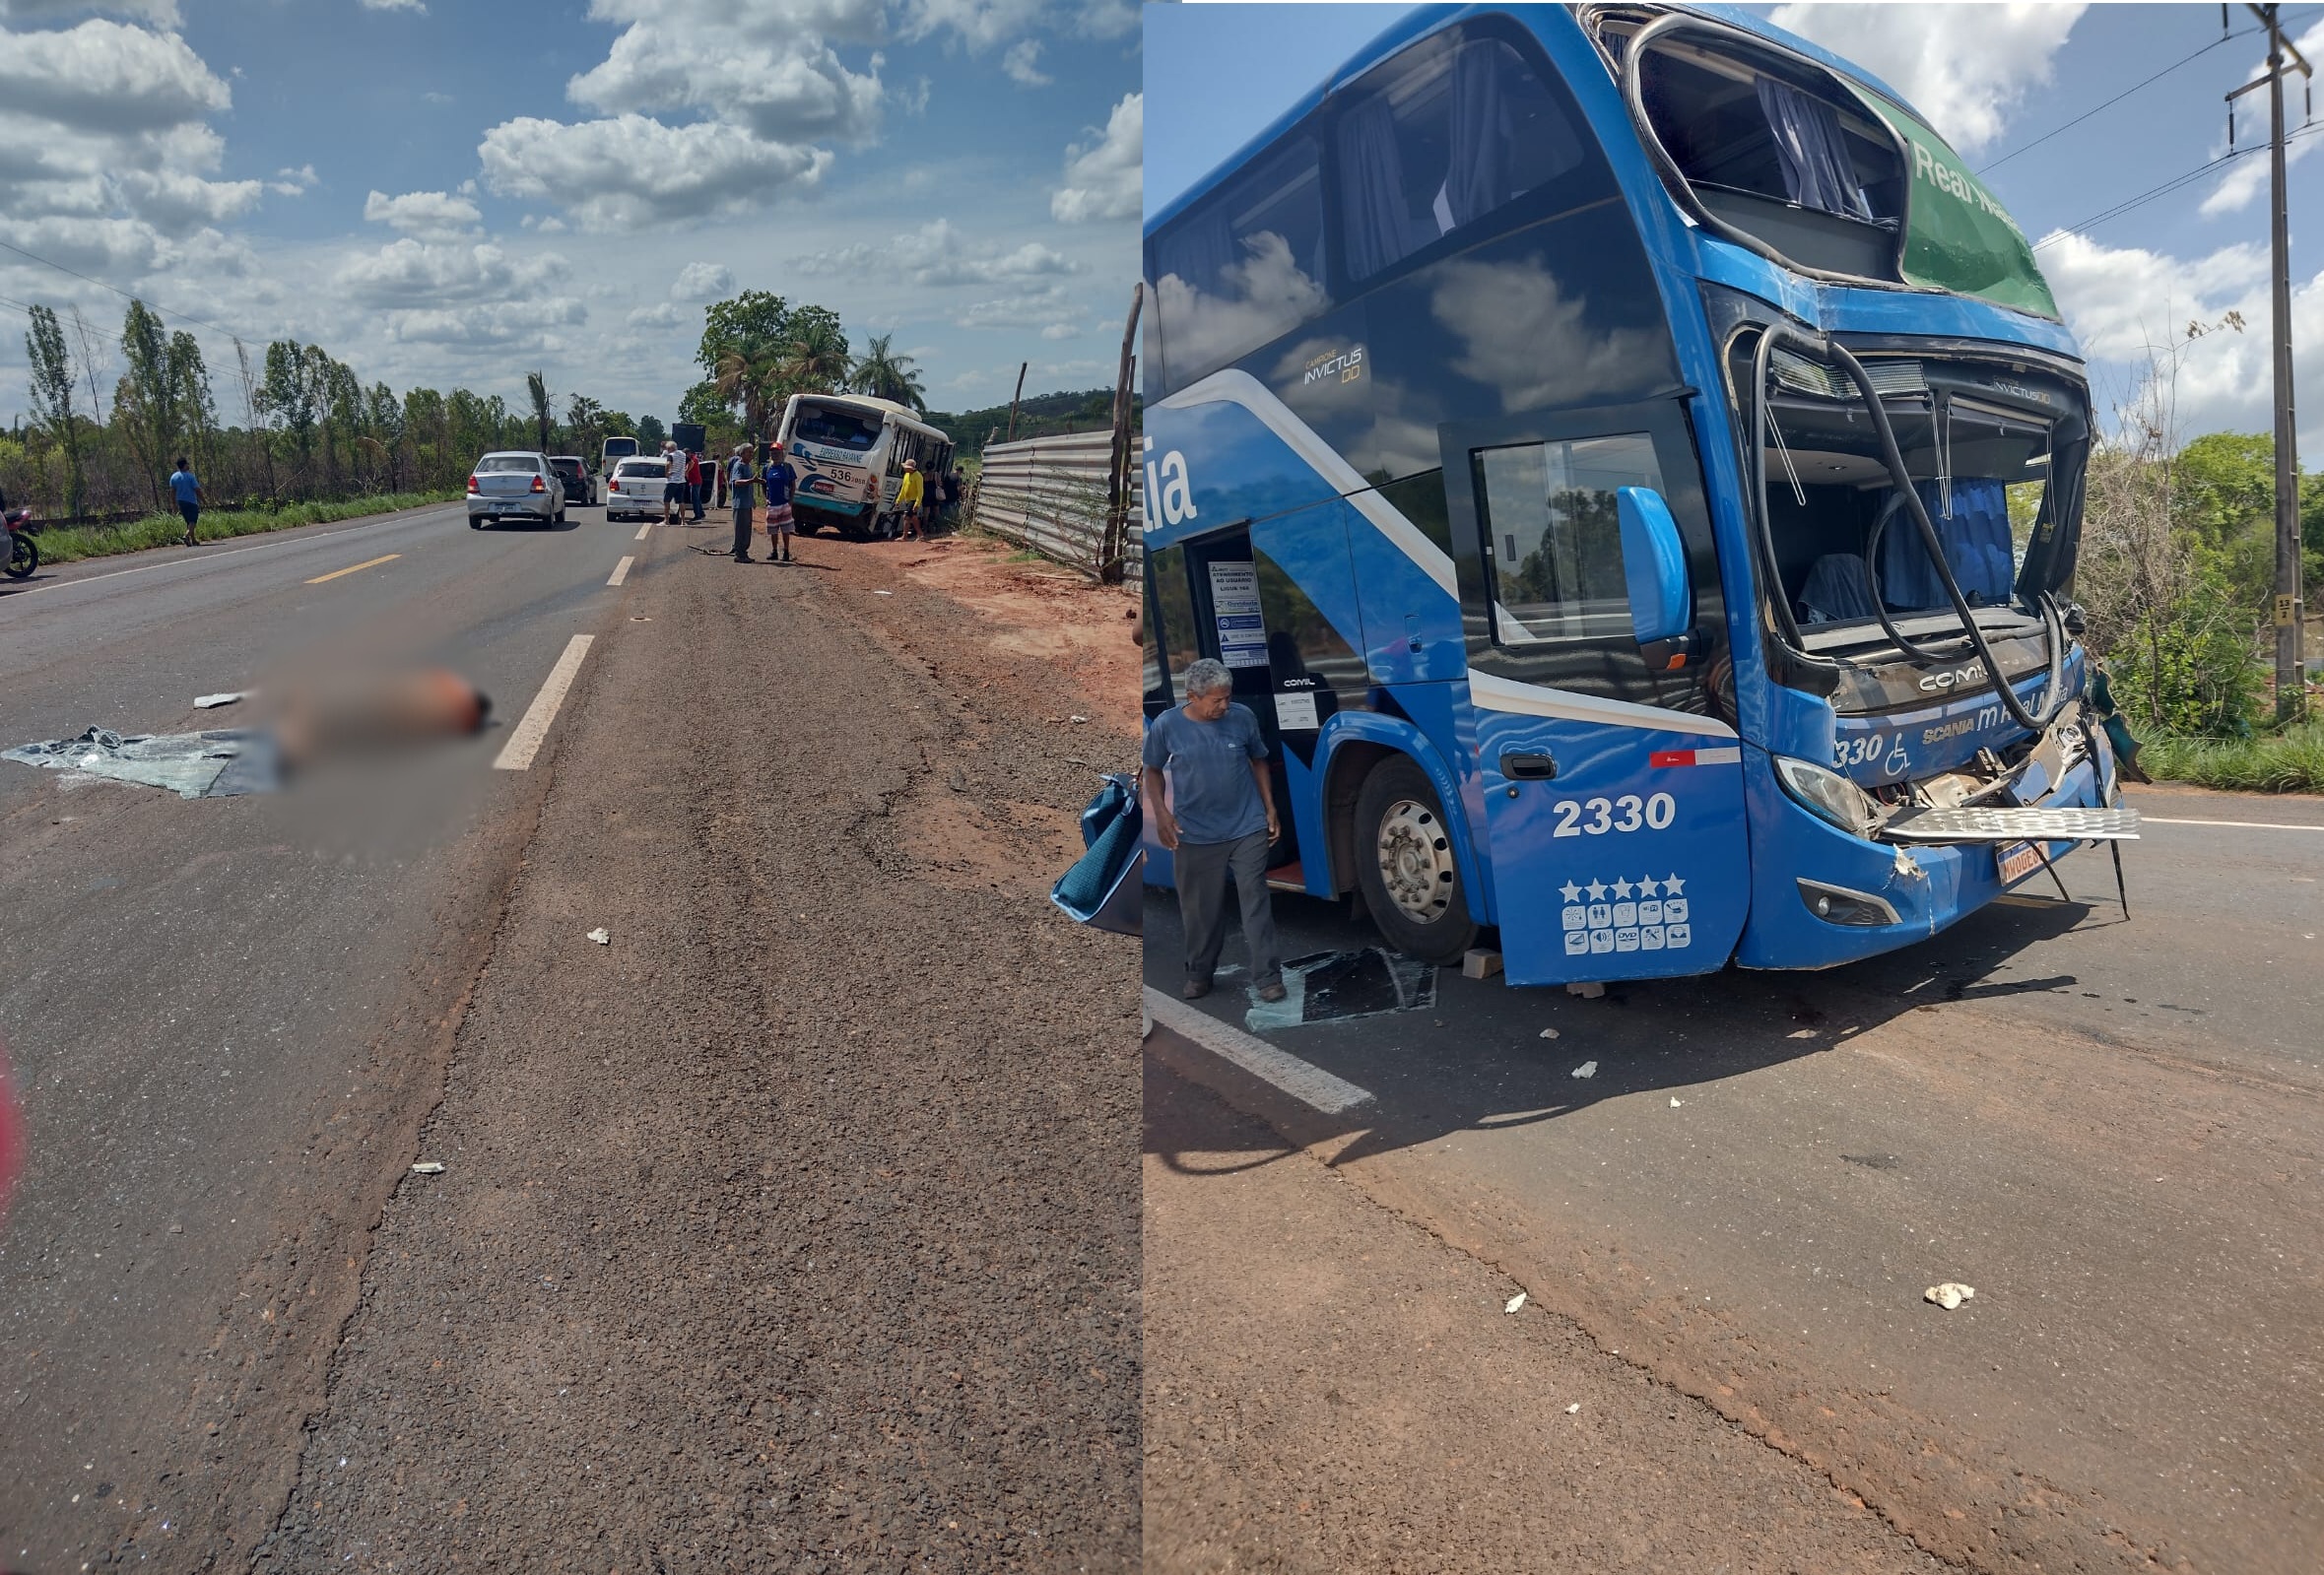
514, 484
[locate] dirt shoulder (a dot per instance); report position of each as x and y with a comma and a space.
1329, 1387
795, 1228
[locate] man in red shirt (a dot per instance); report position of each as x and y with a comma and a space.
693, 481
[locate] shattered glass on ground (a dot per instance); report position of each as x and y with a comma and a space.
193, 766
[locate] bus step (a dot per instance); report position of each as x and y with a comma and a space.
1970, 823
1286, 877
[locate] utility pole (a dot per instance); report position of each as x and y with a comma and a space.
2290, 675
1013, 397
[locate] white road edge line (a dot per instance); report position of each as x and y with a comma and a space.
642, 530
2253, 826
620, 571
525, 741
1304, 1081
206, 558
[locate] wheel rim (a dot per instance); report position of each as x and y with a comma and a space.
1416, 861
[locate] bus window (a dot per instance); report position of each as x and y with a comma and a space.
1245, 265
1436, 139
1552, 534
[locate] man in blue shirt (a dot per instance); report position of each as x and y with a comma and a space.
1210, 803
188, 493
780, 479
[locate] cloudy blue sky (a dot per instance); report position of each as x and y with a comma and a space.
456, 192
1995, 79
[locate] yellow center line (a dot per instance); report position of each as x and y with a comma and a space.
351, 568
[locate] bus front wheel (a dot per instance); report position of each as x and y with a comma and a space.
1406, 867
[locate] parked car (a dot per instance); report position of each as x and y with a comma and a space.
514, 484
635, 489
579, 485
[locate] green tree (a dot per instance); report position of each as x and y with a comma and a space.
585, 418
150, 420
52, 395
754, 314
885, 375
815, 355
651, 431
543, 418
189, 384
746, 375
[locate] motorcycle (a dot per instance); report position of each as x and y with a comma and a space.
24, 554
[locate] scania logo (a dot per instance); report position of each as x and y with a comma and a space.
1960, 676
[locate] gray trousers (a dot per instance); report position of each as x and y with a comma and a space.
1201, 869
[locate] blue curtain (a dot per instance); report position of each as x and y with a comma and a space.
1816, 172
1837, 588
1479, 179
1378, 229
1975, 536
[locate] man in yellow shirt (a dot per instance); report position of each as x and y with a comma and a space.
908, 494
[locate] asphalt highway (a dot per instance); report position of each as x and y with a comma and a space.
834, 1024
1743, 1185
225, 1017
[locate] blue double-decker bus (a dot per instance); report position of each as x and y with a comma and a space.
1634, 470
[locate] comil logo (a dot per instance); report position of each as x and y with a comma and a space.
1169, 496
1334, 367
1938, 682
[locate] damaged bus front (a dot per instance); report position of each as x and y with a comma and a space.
1632, 473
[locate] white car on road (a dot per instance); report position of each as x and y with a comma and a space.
634, 489
514, 484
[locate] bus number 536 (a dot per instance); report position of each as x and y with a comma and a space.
1625, 814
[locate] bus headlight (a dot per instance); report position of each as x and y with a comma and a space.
1829, 796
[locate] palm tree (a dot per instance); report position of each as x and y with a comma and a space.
746, 375
885, 375
543, 418
817, 356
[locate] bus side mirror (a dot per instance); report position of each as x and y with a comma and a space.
1653, 565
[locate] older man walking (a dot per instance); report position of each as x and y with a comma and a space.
1210, 803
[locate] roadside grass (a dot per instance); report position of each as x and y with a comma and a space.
2290, 762
70, 545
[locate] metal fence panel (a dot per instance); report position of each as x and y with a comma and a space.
1048, 494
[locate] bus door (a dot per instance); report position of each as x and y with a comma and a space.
1613, 794
1231, 626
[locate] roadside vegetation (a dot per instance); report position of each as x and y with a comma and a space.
71, 544
2177, 576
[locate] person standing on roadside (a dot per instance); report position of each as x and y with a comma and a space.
697, 483
909, 495
188, 493
1211, 803
956, 487
738, 493
673, 482
780, 480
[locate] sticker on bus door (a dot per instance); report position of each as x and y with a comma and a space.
1234, 609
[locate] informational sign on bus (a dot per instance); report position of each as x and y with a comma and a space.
1234, 607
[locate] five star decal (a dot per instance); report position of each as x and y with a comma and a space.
1656, 920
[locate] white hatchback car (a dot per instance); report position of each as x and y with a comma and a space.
514, 484
634, 489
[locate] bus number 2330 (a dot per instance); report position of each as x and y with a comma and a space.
1629, 812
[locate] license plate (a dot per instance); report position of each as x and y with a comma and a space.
2018, 861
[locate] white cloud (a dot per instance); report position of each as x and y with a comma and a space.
424, 215
413, 274
981, 23
107, 76
2121, 301
629, 173
701, 281
1966, 67
1022, 64
1103, 179
414, 6
659, 315
937, 254
1051, 309
782, 86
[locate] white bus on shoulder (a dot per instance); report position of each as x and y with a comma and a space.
849, 450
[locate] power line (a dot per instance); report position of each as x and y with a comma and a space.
2118, 98
157, 306
2167, 187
